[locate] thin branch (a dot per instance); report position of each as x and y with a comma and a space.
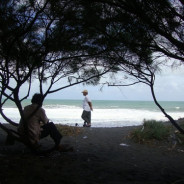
122, 84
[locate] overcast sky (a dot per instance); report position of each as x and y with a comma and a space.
169, 86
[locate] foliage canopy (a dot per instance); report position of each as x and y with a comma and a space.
79, 41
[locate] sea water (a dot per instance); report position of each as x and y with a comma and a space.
106, 113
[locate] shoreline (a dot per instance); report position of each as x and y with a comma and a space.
101, 156
101, 117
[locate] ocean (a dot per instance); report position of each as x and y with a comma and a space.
106, 113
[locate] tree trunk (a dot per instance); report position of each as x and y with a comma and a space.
163, 111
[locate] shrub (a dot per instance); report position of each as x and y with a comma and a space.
151, 130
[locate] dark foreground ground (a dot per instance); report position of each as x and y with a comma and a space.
101, 156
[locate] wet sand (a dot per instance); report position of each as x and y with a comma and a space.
101, 156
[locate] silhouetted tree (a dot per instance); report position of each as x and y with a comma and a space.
141, 35
161, 23
81, 40
44, 41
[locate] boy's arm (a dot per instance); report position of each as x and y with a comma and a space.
90, 105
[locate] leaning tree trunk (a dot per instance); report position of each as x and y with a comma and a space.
163, 111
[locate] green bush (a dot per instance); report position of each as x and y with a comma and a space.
151, 130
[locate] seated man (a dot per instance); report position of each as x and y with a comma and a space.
35, 125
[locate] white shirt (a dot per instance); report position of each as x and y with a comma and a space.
85, 104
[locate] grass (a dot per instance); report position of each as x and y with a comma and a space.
152, 130
69, 130
179, 136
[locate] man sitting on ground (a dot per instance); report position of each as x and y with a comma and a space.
35, 125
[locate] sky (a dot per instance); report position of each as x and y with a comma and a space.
169, 86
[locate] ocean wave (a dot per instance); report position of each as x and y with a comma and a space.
59, 106
100, 117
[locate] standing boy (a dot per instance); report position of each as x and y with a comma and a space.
87, 108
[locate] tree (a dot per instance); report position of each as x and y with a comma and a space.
82, 40
144, 75
44, 41
136, 34
163, 22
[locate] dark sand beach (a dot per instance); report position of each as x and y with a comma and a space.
101, 156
